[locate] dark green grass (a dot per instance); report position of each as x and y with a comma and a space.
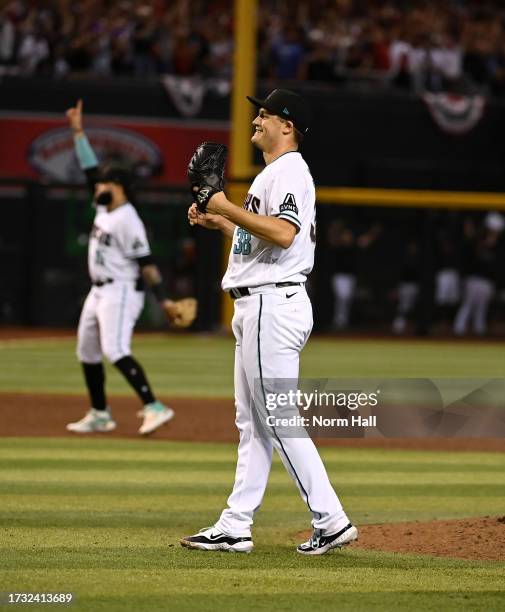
102, 518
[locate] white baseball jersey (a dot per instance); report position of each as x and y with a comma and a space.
117, 239
284, 189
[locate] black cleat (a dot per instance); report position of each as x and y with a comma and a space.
212, 539
320, 544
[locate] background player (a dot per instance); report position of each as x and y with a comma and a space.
118, 260
272, 254
482, 265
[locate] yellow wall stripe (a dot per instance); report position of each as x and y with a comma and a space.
410, 198
417, 198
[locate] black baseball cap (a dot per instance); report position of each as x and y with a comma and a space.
287, 105
116, 174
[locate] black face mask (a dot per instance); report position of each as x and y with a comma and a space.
104, 199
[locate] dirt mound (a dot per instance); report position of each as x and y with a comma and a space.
473, 538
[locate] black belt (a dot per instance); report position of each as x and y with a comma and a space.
238, 292
102, 283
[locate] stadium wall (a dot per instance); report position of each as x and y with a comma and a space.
360, 139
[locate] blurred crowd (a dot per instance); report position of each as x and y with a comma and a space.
117, 37
420, 44
446, 280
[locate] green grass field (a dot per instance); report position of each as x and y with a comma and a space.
102, 518
202, 366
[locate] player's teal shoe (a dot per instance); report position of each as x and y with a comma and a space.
93, 420
155, 415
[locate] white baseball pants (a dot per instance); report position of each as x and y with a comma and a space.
447, 287
344, 286
107, 320
271, 330
478, 293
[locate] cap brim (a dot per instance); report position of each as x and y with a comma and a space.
109, 178
261, 104
256, 101
264, 104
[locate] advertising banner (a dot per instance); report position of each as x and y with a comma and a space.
41, 146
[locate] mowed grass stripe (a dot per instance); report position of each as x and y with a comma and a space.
287, 601
169, 513
169, 360
163, 515
169, 487
471, 471
210, 504
112, 465
114, 448
100, 556
172, 360
147, 450
154, 479
273, 578
78, 471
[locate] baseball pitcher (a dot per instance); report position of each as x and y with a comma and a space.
273, 252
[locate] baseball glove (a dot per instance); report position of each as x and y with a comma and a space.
180, 313
206, 172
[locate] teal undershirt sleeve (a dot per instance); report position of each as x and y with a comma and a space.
85, 154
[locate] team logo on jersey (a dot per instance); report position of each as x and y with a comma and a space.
289, 204
137, 244
252, 203
102, 237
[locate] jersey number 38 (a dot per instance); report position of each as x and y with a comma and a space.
243, 244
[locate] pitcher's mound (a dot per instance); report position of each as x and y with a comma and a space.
474, 538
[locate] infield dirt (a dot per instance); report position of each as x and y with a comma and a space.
198, 420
